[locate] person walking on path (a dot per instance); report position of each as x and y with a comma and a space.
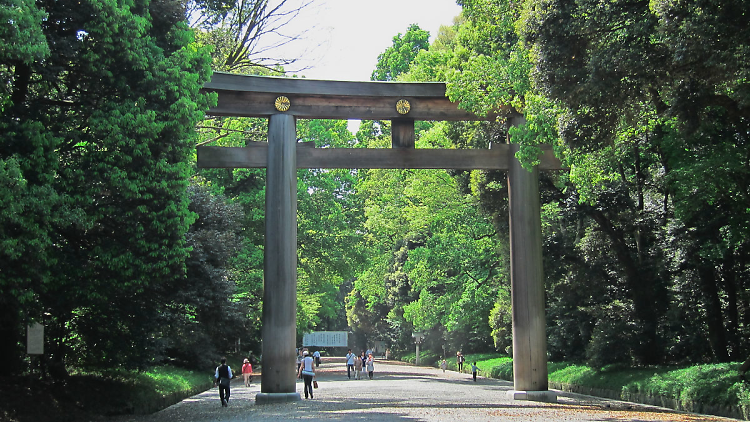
349, 363
357, 367
460, 361
307, 372
299, 358
370, 365
316, 355
223, 376
443, 365
474, 371
247, 372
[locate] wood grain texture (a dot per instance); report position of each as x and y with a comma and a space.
402, 133
526, 278
261, 104
401, 158
277, 86
280, 258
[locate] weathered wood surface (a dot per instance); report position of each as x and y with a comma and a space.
254, 104
280, 258
299, 86
254, 96
402, 133
382, 158
526, 278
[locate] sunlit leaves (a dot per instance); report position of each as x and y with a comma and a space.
114, 104
395, 59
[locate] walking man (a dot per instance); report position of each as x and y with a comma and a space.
349, 364
316, 355
223, 376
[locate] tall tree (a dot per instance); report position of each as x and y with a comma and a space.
104, 122
396, 58
654, 89
207, 315
245, 34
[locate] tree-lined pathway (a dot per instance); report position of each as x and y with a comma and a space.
401, 392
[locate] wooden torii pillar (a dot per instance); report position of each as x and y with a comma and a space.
282, 101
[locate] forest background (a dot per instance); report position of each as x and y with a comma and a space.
132, 257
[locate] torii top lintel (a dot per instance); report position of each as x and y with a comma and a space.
400, 102
255, 96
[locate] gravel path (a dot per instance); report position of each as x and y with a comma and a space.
402, 392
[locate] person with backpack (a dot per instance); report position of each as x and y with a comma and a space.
222, 377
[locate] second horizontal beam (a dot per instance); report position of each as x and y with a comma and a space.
380, 158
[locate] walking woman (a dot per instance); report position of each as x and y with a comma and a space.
247, 372
307, 372
370, 365
358, 362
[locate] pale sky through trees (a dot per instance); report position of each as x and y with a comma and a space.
345, 37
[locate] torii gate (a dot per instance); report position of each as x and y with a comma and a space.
282, 100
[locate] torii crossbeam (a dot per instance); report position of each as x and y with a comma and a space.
282, 100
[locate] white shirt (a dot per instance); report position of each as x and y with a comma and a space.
350, 358
229, 370
308, 364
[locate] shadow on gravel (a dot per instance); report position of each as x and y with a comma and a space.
353, 404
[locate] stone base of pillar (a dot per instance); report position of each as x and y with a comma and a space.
541, 396
265, 398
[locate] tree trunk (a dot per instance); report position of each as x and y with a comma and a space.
642, 290
744, 368
10, 340
716, 333
732, 310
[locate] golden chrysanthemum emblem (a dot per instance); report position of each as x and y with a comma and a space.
403, 106
282, 103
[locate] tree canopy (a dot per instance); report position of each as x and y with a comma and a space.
130, 256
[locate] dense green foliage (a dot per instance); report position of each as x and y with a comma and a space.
98, 105
706, 384
106, 228
396, 59
646, 243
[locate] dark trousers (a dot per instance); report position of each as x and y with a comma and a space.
308, 385
474, 374
460, 366
370, 374
224, 394
349, 369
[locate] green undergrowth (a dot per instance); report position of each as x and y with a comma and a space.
716, 384
711, 384
426, 358
128, 390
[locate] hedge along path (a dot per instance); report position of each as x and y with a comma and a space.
282, 101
